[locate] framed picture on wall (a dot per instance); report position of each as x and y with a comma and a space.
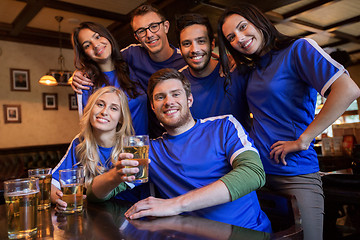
50, 101
12, 113
72, 102
61, 77
19, 79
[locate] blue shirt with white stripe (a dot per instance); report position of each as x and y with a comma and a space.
201, 156
281, 94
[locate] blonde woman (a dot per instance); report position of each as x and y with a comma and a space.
105, 121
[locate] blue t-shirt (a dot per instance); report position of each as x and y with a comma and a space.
281, 94
138, 105
139, 60
70, 161
201, 156
210, 98
143, 66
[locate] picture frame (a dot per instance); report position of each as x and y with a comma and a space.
12, 113
73, 102
50, 101
61, 77
20, 79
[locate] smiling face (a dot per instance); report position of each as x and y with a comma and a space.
96, 47
243, 35
196, 49
154, 43
106, 113
172, 106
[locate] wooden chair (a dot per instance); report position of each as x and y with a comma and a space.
284, 214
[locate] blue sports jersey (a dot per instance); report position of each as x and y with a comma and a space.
139, 60
70, 161
210, 98
281, 94
138, 106
199, 157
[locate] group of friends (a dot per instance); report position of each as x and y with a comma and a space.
208, 157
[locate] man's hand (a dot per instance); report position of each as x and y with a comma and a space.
282, 148
155, 207
80, 81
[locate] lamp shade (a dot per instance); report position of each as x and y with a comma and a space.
70, 80
48, 80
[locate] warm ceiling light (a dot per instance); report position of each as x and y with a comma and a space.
48, 80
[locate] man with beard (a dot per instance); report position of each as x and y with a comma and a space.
213, 94
204, 167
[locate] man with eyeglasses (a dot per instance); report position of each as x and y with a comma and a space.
152, 54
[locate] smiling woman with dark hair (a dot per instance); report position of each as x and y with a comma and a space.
98, 56
285, 74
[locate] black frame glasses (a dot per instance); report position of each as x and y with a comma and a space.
153, 27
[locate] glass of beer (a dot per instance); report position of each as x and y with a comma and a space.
72, 187
44, 176
139, 146
21, 197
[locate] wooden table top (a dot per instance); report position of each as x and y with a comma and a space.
106, 221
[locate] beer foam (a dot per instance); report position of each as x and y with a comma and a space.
21, 193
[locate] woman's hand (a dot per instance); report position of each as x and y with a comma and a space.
155, 207
126, 168
60, 204
80, 81
282, 148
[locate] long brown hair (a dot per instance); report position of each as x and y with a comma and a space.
273, 39
91, 68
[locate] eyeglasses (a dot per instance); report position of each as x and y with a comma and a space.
153, 27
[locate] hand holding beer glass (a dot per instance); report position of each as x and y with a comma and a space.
72, 187
44, 176
139, 146
21, 196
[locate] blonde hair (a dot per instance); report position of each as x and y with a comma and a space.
87, 152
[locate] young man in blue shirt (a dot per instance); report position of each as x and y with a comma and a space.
214, 95
204, 167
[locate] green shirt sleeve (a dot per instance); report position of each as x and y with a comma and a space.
247, 175
90, 196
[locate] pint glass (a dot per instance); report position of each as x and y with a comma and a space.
139, 146
72, 187
44, 176
21, 197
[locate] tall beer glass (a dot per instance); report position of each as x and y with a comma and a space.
139, 146
21, 197
44, 176
72, 186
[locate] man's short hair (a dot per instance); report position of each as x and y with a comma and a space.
144, 9
189, 19
166, 74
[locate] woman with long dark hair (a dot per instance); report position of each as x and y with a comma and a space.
97, 55
285, 74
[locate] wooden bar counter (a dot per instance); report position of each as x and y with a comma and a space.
106, 221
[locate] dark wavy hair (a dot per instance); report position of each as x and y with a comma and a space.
273, 39
91, 68
186, 20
